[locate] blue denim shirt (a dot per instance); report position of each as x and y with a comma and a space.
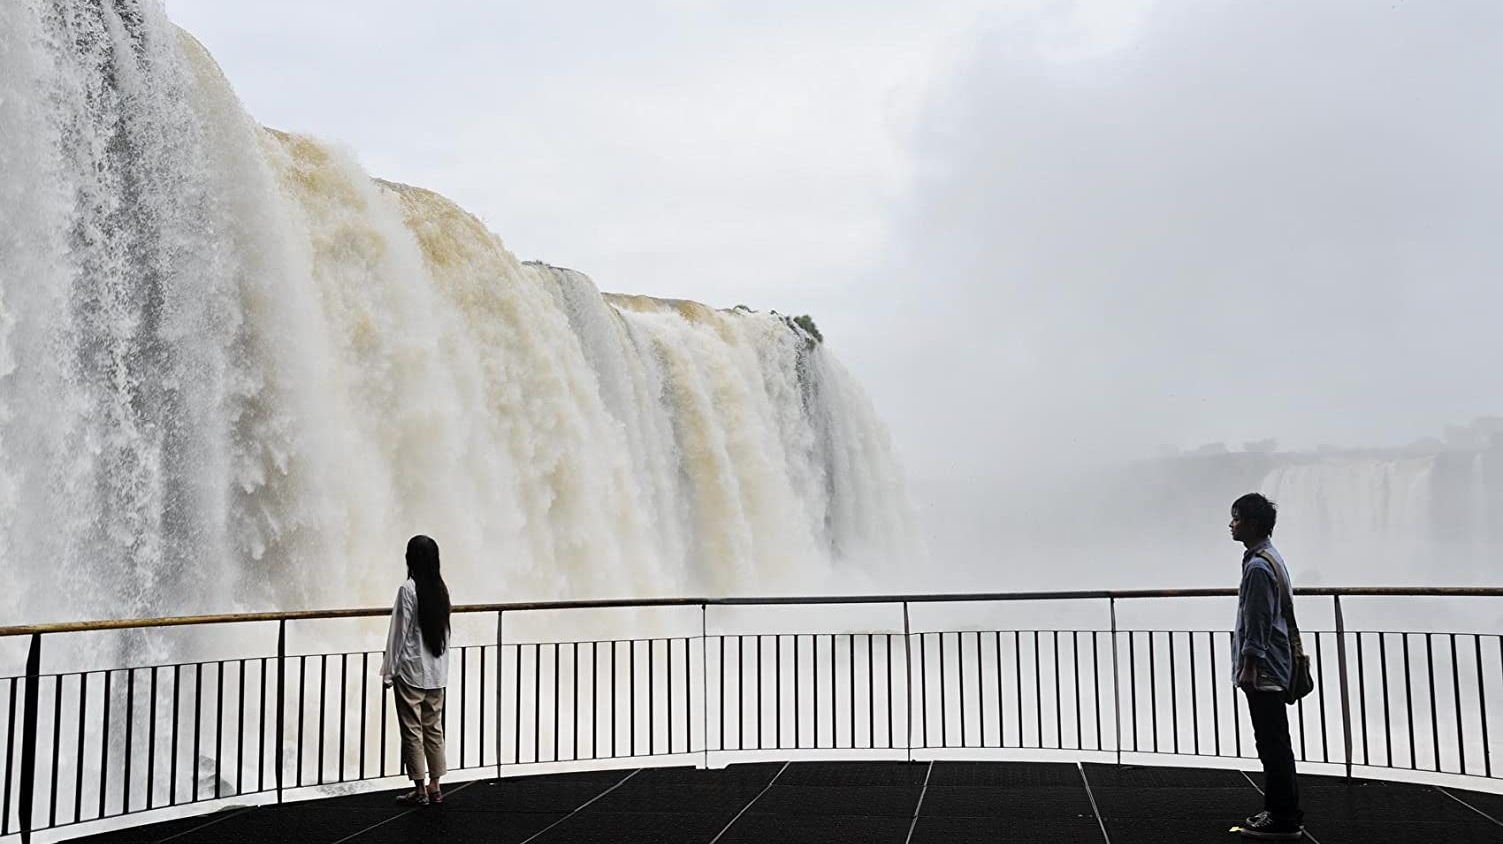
1261, 630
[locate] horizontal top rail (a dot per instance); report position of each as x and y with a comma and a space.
644, 603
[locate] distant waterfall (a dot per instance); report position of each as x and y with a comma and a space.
236, 371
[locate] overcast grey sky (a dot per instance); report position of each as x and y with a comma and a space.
1032, 229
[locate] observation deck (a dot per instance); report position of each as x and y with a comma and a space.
855, 802
1040, 716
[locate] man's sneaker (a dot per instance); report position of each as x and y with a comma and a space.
1263, 826
415, 797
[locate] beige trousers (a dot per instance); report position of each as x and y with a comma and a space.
420, 712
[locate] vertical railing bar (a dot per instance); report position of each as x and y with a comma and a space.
57, 740
240, 731
78, 763
1346, 699
924, 688
688, 699
1409, 705
104, 743
1059, 712
281, 701
29, 734
908, 684
198, 709
887, 664
261, 729
1096, 683
1320, 663
302, 707
871, 695
652, 721
814, 644
959, 681
1153, 693
575, 709
557, 666
777, 690
1132, 684
834, 687
797, 720
381, 740
1434, 709
741, 691
1383, 671
1236, 702
1116, 681
615, 722
1001, 708
537, 702
1173, 694
219, 728
1194, 694
323, 697
1216, 681
1017, 676
1487, 753
130, 747
516, 748
980, 697
667, 692
1038, 692
944, 736
594, 699
172, 762
759, 724
1362, 700
151, 741
501, 688
10, 756
480, 719
464, 705
1456, 699
631, 696
851, 684
1075, 684
365, 667
704, 681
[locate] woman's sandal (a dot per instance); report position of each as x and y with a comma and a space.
415, 797
436, 798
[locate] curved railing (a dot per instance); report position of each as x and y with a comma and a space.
711, 681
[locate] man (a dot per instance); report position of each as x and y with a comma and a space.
1263, 661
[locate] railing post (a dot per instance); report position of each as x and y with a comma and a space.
1346, 707
281, 700
1116, 688
501, 639
29, 734
704, 684
908, 683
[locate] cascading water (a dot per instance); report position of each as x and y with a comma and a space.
237, 372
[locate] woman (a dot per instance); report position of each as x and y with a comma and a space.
416, 667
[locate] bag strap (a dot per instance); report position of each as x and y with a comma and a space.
1286, 592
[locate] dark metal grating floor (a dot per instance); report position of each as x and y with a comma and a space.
866, 802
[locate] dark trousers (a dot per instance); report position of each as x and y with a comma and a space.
1270, 720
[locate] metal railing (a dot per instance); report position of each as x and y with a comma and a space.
94, 744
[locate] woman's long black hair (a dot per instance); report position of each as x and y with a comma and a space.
432, 594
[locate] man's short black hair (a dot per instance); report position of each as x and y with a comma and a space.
1257, 512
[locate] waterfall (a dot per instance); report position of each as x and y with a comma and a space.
238, 372
1353, 514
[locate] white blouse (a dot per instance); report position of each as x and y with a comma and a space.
406, 658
